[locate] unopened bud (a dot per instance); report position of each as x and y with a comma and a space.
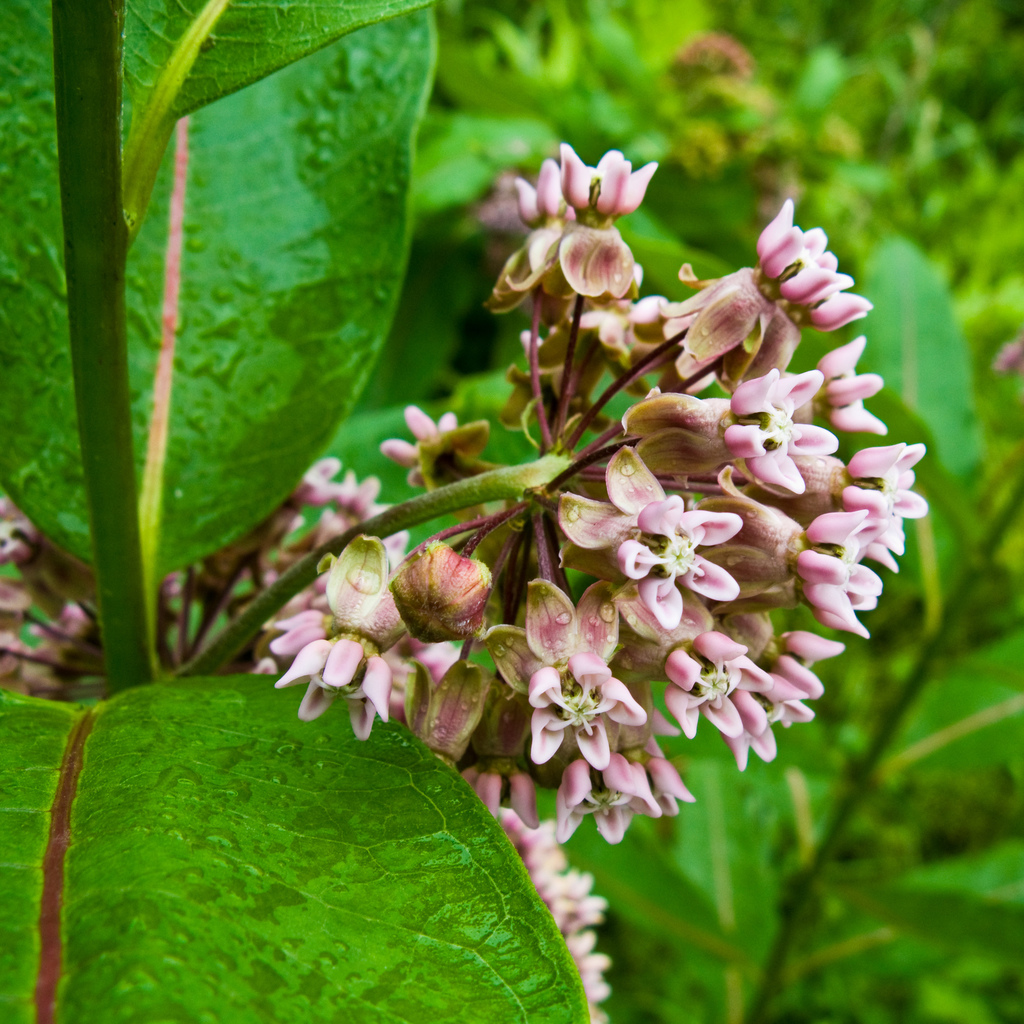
445, 715
441, 595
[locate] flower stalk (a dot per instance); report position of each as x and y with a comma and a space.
87, 67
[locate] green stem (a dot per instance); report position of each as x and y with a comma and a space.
509, 483
87, 57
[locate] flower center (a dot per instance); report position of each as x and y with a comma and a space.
714, 682
677, 551
605, 800
777, 427
578, 707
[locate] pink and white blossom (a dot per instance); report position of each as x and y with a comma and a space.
331, 669
765, 435
706, 675
845, 390
666, 554
808, 274
620, 189
623, 791
648, 537
835, 584
538, 206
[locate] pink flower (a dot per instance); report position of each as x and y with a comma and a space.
882, 478
706, 678
845, 390
331, 669
835, 584
561, 662
666, 552
624, 791
538, 206
619, 189
808, 274
667, 786
654, 538
518, 789
765, 435
560, 705
792, 672
364, 622
300, 630
423, 428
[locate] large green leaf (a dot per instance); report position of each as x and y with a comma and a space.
916, 344
229, 863
294, 244
244, 42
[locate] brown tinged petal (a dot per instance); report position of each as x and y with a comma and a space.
505, 724
444, 716
774, 348
512, 656
730, 313
441, 595
598, 620
676, 452
645, 644
595, 262
763, 553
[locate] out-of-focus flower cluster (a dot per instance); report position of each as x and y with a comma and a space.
568, 896
694, 518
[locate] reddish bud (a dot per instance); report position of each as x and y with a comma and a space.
441, 595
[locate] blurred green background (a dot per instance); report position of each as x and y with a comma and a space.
899, 128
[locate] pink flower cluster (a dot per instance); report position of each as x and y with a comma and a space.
694, 522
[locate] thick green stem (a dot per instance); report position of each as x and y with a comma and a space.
509, 483
87, 41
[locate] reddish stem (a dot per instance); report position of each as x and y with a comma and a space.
538, 395
644, 366
567, 371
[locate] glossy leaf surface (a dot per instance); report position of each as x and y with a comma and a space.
246, 42
294, 244
228, 862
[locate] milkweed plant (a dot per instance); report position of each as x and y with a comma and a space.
631, 582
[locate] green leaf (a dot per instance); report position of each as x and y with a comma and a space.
180, 57
916, 344
971, 904
228, 862
724, 846
246, 42
40, 465
294, 244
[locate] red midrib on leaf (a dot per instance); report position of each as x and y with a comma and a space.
51, 904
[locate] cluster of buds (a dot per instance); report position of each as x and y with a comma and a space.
686, 525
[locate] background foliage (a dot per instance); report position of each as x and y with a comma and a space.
899, 128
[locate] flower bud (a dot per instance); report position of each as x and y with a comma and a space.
357, 592
444, 716
441, 595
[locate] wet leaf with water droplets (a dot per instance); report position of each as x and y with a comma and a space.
294, 245
231, 863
